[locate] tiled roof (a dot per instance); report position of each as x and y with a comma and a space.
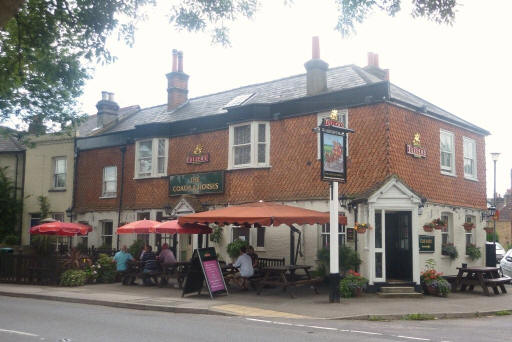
9, 144
285, 89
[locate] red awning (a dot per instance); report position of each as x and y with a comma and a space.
173, 227
61, 229
262, 213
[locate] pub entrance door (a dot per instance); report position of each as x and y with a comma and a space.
398, 246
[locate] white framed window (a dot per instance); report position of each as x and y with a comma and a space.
109, 187
447, 147
59, 172
469, 158
107, 228
326, 232
470, 237
447, 232
343, 114
151, 157
253, 235
249, 145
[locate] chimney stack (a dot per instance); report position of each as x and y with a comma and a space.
374, 68
177, 82
108, 110
316, 71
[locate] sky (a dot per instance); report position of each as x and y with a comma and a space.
461, 68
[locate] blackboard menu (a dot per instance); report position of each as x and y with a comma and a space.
427, 243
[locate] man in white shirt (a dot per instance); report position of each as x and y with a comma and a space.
244, 264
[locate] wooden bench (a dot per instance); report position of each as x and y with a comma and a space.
270, 262
497, 282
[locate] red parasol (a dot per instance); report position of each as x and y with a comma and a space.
173, 227
138, 227
61, 229
262, 213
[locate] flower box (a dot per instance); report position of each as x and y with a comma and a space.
488, 230
361, 228
468, 226
428, 228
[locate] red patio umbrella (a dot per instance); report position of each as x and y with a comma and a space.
61, 229
173, 227
262, 213
138, 227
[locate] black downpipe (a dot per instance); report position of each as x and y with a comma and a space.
20, 223
75, 178
355, 235
123, 152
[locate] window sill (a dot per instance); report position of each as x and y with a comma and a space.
108, 197
471, 179
57, 190
445, 173
150, 177
260, 249
234, 168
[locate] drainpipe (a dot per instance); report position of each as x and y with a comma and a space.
20, 225
123, 152
75, 177
355, 234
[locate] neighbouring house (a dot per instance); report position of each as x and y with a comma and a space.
12, 159
409, 162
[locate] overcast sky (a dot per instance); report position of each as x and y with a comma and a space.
463, 68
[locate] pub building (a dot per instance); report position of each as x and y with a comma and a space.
408, 163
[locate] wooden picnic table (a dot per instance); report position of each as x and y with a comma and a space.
286, 277
178, 270
484, 277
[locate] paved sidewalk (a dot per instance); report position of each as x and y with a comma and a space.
271, 303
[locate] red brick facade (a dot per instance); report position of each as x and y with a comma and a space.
376, 151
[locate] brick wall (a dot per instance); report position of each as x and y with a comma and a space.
424, 174
295, 170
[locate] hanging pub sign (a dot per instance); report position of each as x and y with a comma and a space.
198, 156
197, 183
415, 149
427, 243
333, 148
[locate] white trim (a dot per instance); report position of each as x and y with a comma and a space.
445, 170
474, 175
253, 143
319, 117
154, 158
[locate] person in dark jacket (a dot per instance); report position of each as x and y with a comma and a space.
149, 263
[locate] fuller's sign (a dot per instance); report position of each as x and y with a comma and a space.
198, 156
415, 149
197, 183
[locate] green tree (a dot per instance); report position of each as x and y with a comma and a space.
10, 207
46, 46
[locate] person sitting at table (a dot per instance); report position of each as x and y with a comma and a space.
244, 264
253, 255
121, 259
166, 256
149, 263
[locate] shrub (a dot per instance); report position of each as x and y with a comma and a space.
91, 273
106, 269
434, 280
73, 278
136, 248
216, 235
11, 240
351, 282
348, 260
418, 317
450, 250
234, 248
473, 252
490, 237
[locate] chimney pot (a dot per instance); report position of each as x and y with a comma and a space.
315, 51
180, 61
373, 59
104, 95
108, 110
177, 82
174, 60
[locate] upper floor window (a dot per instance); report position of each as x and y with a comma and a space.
343, 115
249, 145
59, 172
109, 188
447, 152
469, 158
151, 158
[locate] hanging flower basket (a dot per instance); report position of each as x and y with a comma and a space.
438, 224
488, 230
361, 228
428, 227
468, 226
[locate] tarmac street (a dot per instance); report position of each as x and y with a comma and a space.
42, 320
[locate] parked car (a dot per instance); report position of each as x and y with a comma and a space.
506, 263
500, 251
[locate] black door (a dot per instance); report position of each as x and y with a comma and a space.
398, 246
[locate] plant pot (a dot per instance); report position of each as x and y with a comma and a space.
431, 290
357, 292
428, 228
440, 227
468, 227
361, 230
488, 230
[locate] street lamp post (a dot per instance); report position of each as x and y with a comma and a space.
494, 157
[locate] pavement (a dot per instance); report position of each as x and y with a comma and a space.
271, 303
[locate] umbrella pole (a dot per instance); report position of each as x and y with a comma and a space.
334, 276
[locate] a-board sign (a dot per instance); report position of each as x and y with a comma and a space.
205, 266
427, 243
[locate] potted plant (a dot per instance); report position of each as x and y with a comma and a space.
361, 227
438, 223
473, 252
353, 284
488, 230
234, 248
450, 250
433, 282
428, 227
468, 226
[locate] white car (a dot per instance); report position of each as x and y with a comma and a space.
506, 264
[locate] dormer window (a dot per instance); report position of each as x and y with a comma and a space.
151, 158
